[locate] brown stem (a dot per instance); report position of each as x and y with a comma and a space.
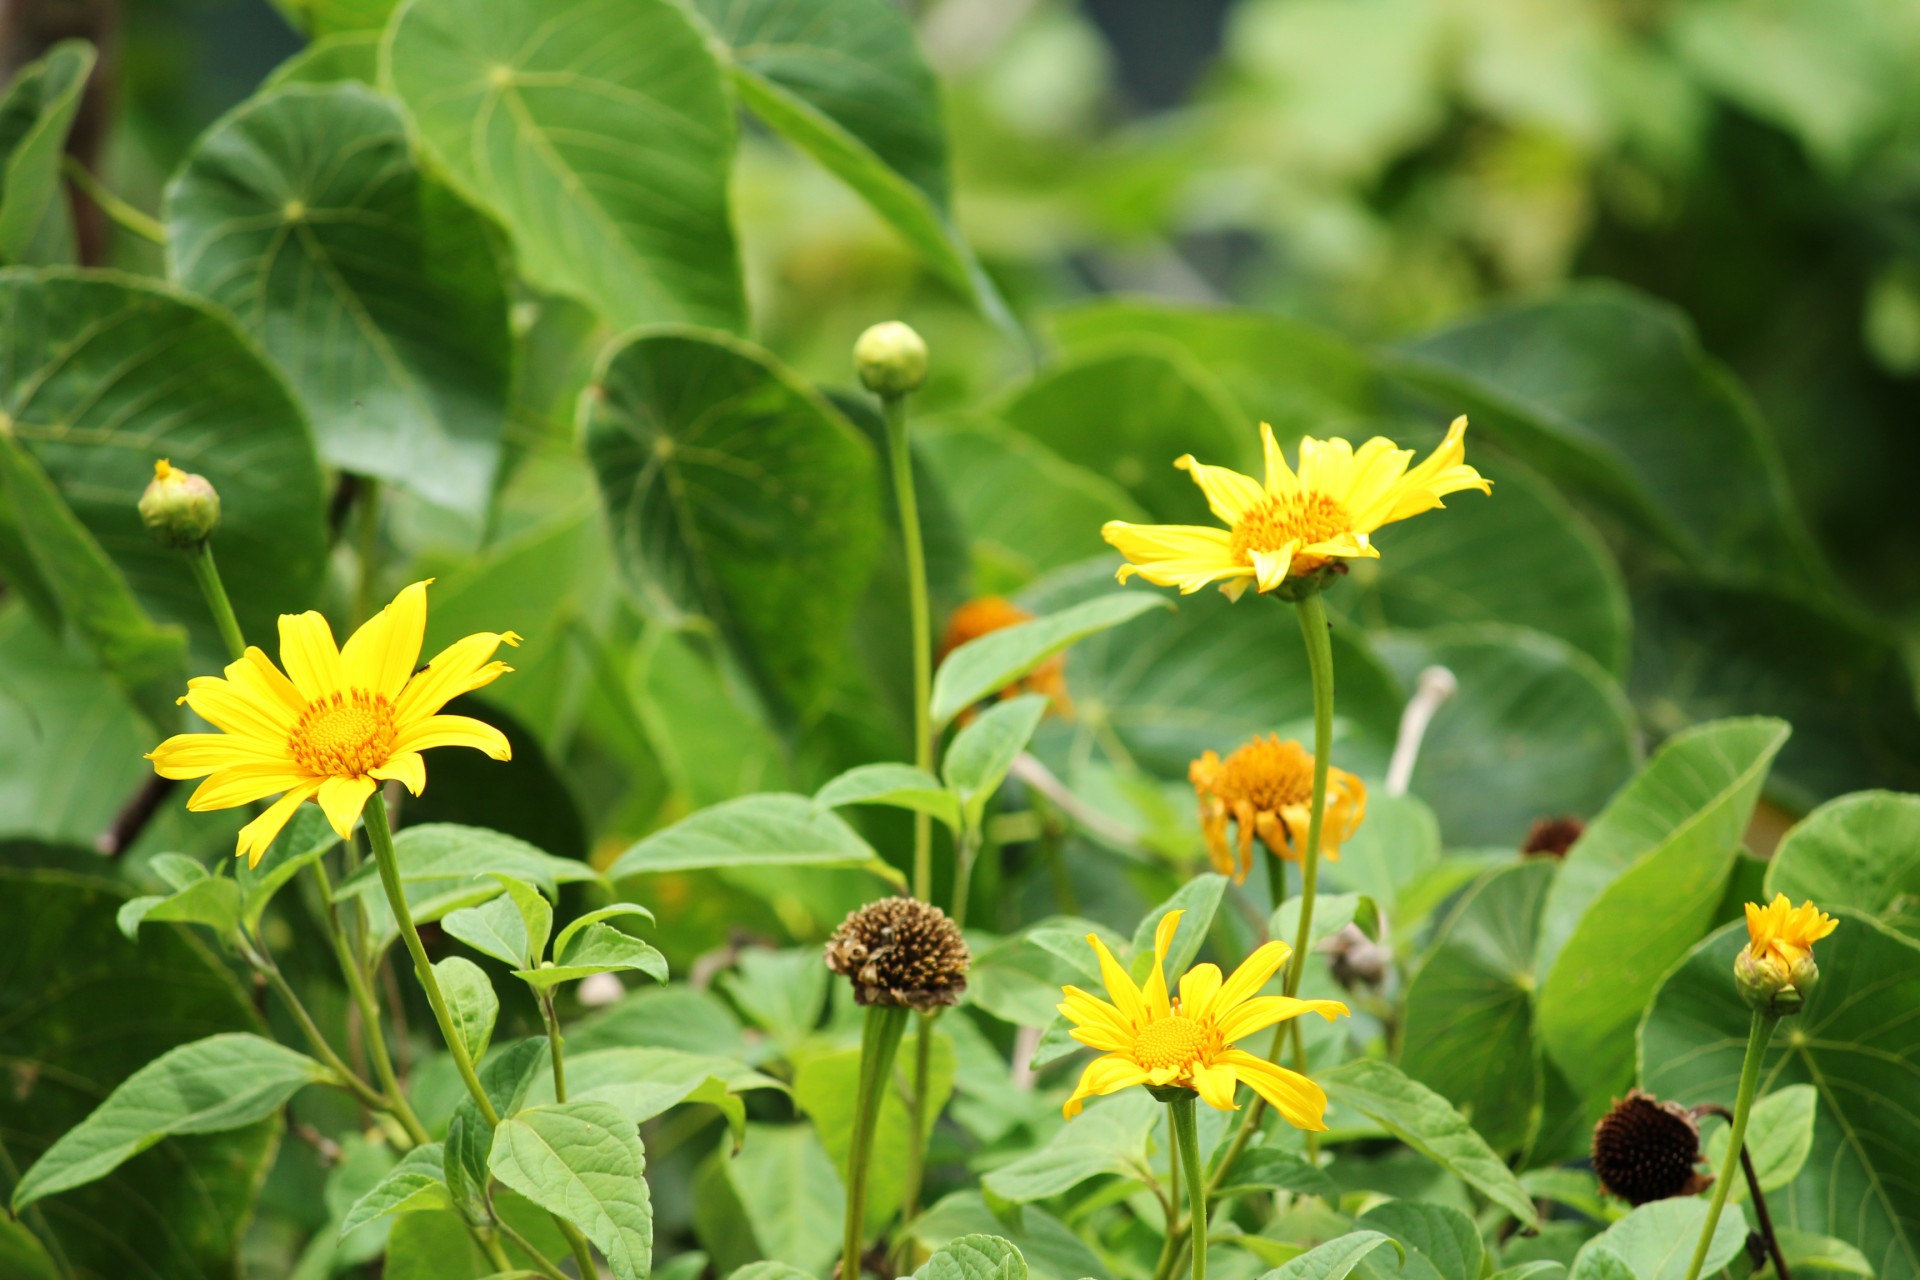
134, 816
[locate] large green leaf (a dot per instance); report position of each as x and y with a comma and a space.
1609, 393
779, 1199
1656, 1242
1126, 411
1638, 889
86, 1009
1702, 650
1522, 557
1861, 852
1110, 1138
35, 115
1441, 1242
1536, 730
975, 1257
717, 466
1428, 1123
1468, 1033
844, 81
1857, 1042
983, 666
88, 592
378, 293
599, 133
1334, 1260
101, 375
767, 830
583, 1161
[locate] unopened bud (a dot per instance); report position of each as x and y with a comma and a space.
891, 359
1772, 986
180, 509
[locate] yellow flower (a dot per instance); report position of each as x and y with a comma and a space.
1294, 524
1266, 789
1782, 935
346, 718
1150, 1037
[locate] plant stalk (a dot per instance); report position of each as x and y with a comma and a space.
207, 575
1757, 1038
1186, 1136
879, 1041
552, 1020
900, 455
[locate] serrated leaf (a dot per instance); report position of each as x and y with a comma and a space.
471, 1001
899, 785
414, 1185
1334, 1260
599, 948
976, 1257
1051, 1249
494, 928
1428, 1123
979, 756
464, 1163
771, 829
379, 293
618, 911
1441, 1242
583, 1161
980, 668
223, 1082
525, 106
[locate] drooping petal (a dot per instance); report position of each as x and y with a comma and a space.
452, 731
1251, 976
1260, 1012
381, 655
310, 656
258, 835
1103, 1076
407, 768
195, 755
342, 799
1174, 555
1215, 1086
1230, 494
461, 667
1302, 1102
1120, 989
1281, 481
1270, 568
244, 783
1197, 989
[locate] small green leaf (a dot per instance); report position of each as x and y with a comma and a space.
977, 760
1428, 1123
222, 1082
1779, 1136
1107, 1139
770, 1271
618, 910
471, 1001
1656, 1242
1805, 1251
415, 1184
464, 1167
214, 902
771, 829
583, 1161
980, 668
1334, 1260
977, 1257
494, 928
899, 785
1332, 912
600, 948
1271, 1169
306, 839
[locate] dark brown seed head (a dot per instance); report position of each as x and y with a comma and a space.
900, 951
1552, 837
1645, 1149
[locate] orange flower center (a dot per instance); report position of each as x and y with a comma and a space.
1170, 1042
1267, 773
1302, 518
344, 735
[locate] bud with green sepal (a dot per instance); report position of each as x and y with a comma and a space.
179, 508
891, 359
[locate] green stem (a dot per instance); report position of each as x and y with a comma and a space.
123, 214
380, 836
552, 1020
263, 964
1313, 628
541, 1262
1186, 1135
207, 575
879, 1041
1757, 1038
367, 550
917, 1118
900, 454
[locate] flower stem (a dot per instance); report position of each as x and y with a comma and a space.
263, 963
1186, 1136
1313, 628
879, 1041
552, 1020
1736, 1135
917, 1119
380, 836
207, 575
900, 454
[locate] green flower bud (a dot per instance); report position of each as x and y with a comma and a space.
180, 509
891, 359
1771, 986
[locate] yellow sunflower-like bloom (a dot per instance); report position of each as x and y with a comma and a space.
1266, 789
1151, 1037
336, 723
1295, 523
1782, 935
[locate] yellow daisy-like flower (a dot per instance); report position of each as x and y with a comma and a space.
1266, 789
1782, 934
1294, 524
336, 723
1152, 1037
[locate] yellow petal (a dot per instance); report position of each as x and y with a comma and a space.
1377, 467
1215, 1086
1091, 1011
452, 731
1197, 989
194, 755
1230, 494
257, 835
459, 668
1103, 1076
1155, 991
244, 783
226, 706
1102, 1038
255, 677
1300, 1100
381, 655
1326, 466
1120, 989
1251, 976
1270, 567
1174, 555
309, 655
407, 768
1280, 478
1252, 1015
342, 799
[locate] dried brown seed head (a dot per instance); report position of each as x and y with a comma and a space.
900, 951
1645, 1149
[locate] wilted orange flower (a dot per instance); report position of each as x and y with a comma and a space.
1266, 788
